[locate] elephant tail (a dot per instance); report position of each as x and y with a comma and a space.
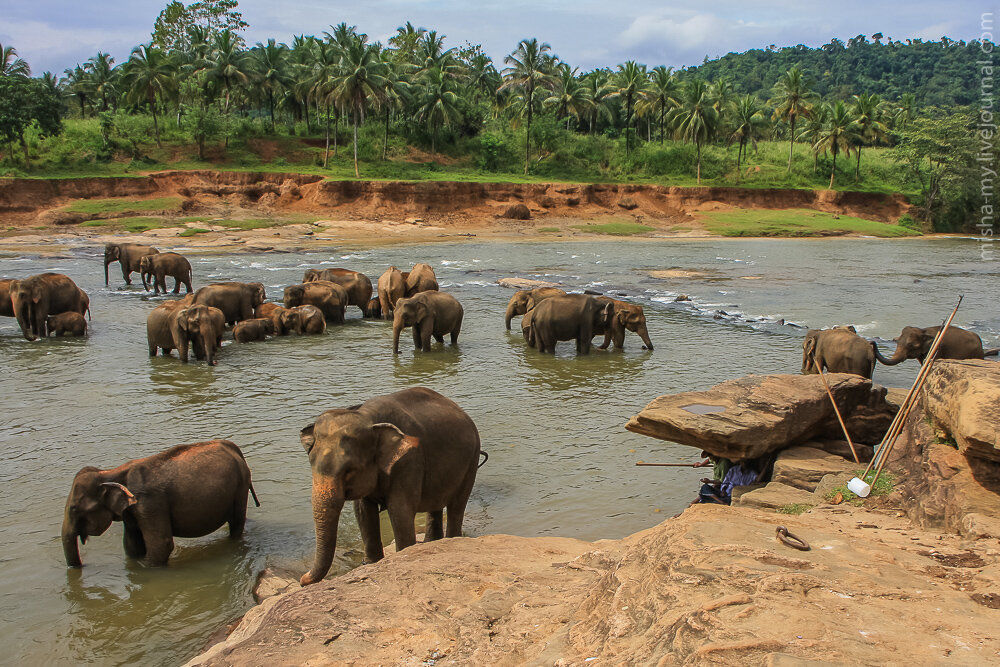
486, 457
254, 494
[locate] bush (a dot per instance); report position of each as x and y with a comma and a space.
495, 153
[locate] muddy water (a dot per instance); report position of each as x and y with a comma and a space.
560, 461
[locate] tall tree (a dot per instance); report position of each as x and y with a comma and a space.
148, 74
438, 102
570, 97
359, 83
270, 62
696, 119
748, 125
11, 64
527, 70
839, 135
664, 95
793, 98
395, 94
228, 65
325, 70
100, 69
25, 103
599, 90
630, 83
871, 130
814, 126
78, 85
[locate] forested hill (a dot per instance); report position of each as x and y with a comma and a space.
941, 73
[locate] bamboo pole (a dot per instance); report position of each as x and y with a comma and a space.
670, 465
829, 393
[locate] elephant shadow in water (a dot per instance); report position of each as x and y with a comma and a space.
423, 368
193, 384
566, 370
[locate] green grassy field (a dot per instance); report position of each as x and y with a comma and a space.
124, 205
793, 223
615, 228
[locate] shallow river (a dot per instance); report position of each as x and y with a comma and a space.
560, 463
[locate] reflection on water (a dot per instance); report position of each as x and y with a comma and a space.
560, 460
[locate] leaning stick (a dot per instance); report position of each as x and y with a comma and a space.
910, 401
829, 393
669, 465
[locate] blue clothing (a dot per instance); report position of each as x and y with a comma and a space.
737, 476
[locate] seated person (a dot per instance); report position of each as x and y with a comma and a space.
741, 474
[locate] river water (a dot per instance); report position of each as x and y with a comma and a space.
560, 463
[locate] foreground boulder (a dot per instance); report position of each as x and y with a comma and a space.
804, 467
712, 586
759, 414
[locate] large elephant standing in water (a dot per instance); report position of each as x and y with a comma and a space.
128, 255
430, 314
175, 325
626, 317
237, 301
391, 288
915, 343
358, 285
570, 317
36, 297
420, 278
838, 350
526, 299
408, 452
155, 268
330, 297
185, 491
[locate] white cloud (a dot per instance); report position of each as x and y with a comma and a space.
47, 47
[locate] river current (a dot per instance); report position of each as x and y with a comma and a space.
560, 463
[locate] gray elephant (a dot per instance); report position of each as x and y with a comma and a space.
273, 312
430, 314
374, 308
174, 326
526, 299
36, 297
358, 285
574, 316
626, 317
256, 329
330, 297
67, 324
391, 288
185, 491
915, 343
237, 301
303, 320
154, 269
411, 451
128, 255
838, 350
420, 278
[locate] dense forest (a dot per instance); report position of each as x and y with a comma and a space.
336, 100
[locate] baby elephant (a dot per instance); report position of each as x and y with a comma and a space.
67, 324
249, 331
303, 320
185, 491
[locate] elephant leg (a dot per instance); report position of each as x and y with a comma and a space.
239, 518
366, 512
456, 508
417, 342
455, 331
126, 274
439, 338
607, 341
435, 526
177, 285
159, 539
135, 546
401, 516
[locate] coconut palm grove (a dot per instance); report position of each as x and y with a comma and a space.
872, 114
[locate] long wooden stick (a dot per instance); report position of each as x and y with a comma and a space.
905, 409
829, 393
670, 465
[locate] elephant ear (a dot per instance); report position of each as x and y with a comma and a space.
307, 438
117, 497
391, 445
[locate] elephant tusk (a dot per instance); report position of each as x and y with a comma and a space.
128, 494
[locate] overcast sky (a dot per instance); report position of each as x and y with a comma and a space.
56, 34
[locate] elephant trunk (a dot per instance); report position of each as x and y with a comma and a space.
397, 328
107, 262
644, 335
509, 315
327, 502
26, 319
71, 548
897, 357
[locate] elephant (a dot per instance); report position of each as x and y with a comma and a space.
174, 325
237, 301
160, 265
70, 323
915, 343
128, 255
249, 331
430, 314
411, 451
838, 350
420, 278
44, 294
391, 288
574, 316
374, 308
526, 329
303, 320
6, 304
358, 285
185, 491
330, 297
526, 299
626, 316
273, 312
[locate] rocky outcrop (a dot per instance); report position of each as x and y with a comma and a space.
759, 414
712, 586
804, 467
517, 212
776, 495
946, 458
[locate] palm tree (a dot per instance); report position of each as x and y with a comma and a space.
438, 102
664, 91
748, 121
78, 85
100, 69
405, 43
359, 83
395, 94
270, 63
599, 91
814, 127
570, 96
228, 65
11, 64
696, 119
793, 98
867, 112
527, 70
148, 73
906, 110
631, 83
481, 76
325, 69
840, 133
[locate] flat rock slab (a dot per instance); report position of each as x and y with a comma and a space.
842, 448
754, 415
963, 398
776, 495
524, 283
804, 467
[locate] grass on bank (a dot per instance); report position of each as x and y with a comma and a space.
884, 486
793, 223
135, 225
614, 228
124, 205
